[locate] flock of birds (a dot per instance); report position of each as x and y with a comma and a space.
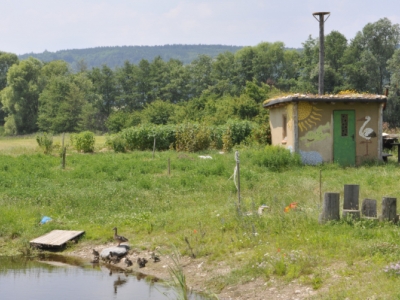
115, 258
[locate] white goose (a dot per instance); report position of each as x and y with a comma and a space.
366, 133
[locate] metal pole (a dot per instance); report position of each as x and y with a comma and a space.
321, 49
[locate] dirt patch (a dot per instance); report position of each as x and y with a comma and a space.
199, 273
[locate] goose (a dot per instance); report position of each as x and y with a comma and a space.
119, 238
95, 253
366, 133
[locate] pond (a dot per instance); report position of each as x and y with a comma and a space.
58, 277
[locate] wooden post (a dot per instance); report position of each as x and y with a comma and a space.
320, 187
330, 208
154, 146
368, 208
351, 194
63, 153
389, 206
238, 174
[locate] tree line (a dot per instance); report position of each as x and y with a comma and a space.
49, 96
117, 55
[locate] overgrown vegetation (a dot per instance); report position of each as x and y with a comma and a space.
197, 205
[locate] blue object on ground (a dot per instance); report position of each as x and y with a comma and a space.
45, 220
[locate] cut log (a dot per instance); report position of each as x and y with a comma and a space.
389, 207
368, 208
330, 208
351, 196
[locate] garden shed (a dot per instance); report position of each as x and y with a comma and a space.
346, 129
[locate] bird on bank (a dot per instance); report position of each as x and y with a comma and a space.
141, 262
128, 262
114, 257
95, 260
95, 253
155, 257
119, 238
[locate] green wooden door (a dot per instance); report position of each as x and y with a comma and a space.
344, 146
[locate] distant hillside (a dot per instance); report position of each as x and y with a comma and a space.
116, 56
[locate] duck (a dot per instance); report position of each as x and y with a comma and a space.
128, 262
95, 253
119, 238
95, 260
154, 257
141, 262
114, 257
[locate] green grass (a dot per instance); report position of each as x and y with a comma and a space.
197, 205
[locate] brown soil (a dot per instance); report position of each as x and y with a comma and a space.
199, 273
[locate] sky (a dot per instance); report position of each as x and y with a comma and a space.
33, 26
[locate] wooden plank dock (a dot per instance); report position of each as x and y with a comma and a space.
55, 238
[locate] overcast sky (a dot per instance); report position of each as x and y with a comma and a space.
37, 25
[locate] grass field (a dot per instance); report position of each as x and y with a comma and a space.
197, 204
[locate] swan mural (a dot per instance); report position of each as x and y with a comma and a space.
366, 133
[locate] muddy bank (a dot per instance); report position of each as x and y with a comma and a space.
199, 274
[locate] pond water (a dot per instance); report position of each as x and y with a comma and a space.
58, 277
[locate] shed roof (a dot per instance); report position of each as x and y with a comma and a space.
348, 98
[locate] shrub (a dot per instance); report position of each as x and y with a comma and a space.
45, 141
192, 137
275, 158
142, 137
117, 143
83, 141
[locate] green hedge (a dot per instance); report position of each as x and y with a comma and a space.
190, 137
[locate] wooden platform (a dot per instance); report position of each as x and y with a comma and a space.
55, 238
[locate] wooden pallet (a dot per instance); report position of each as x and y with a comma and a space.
56, 238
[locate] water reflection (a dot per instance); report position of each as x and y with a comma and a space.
68, 278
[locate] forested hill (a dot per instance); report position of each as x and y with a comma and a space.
116, 56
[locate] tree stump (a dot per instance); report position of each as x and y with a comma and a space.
351, 195
368, 208
389, 207
330, 208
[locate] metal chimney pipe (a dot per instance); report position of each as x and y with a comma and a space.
321, 21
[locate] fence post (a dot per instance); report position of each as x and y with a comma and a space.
154, 146
238, 174
63, 153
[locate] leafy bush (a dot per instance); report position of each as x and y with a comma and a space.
45, 141
192, 137
142, 137
275, 158
83, 141
117, 143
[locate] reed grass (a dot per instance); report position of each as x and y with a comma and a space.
197, 205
